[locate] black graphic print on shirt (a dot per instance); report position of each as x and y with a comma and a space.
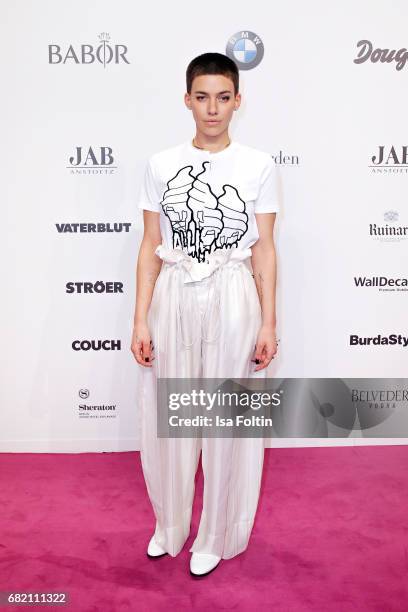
201, 221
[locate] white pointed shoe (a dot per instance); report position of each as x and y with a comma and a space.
202, 564
154, 549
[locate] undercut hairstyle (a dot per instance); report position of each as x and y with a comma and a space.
212, 63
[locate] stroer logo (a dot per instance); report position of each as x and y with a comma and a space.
382, 283
92, 161
90, 287
104, 53
390, 160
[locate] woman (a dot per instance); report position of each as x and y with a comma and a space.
209, 211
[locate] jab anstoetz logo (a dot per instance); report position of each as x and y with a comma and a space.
92, 160
103, 53
367, 52
94, 287
390, 231
379, 340
97, 345
93, 228
382, 283
390, 160
246, 49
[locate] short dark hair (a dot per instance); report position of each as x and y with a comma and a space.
212, 63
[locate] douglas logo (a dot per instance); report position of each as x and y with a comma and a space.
383, 55
104, 53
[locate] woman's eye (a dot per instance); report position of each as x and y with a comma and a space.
200, 97
225, 98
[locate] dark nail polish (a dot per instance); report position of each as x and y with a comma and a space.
257, 361
146, 359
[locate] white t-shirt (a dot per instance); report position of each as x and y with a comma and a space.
207, 200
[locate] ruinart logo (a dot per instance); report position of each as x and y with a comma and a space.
390, 231
92, 160
103, 53
92, 228
382, 283
390, 160
367, 52
391, 339
96, 345
246, 49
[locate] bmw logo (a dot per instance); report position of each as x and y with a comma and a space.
246, 49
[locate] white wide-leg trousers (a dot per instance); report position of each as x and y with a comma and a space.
204, 328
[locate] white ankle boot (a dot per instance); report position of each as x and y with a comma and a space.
154, 549
203, 563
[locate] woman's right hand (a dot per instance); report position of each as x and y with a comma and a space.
142, 346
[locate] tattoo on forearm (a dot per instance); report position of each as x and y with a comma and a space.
151, 277
260, 284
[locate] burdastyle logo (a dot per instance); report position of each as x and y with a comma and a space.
103, 53
390, 340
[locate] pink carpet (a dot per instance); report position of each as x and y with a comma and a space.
331, 534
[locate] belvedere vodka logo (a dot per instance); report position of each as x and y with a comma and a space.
246, 49
88, 160
390, 160
367, 52
102, 53
390, 231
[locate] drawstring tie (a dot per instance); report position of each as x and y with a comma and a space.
180, 263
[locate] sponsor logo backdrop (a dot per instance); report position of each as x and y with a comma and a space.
91, 91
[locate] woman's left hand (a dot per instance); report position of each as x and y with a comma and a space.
266, 347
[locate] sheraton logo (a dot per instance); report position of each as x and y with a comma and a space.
103, 53
367, 52
92, 228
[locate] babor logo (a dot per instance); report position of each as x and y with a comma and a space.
246, 49
104, 53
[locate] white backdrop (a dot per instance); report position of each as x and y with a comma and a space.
320, 114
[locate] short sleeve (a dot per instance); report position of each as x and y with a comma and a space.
267, 200
149, 197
